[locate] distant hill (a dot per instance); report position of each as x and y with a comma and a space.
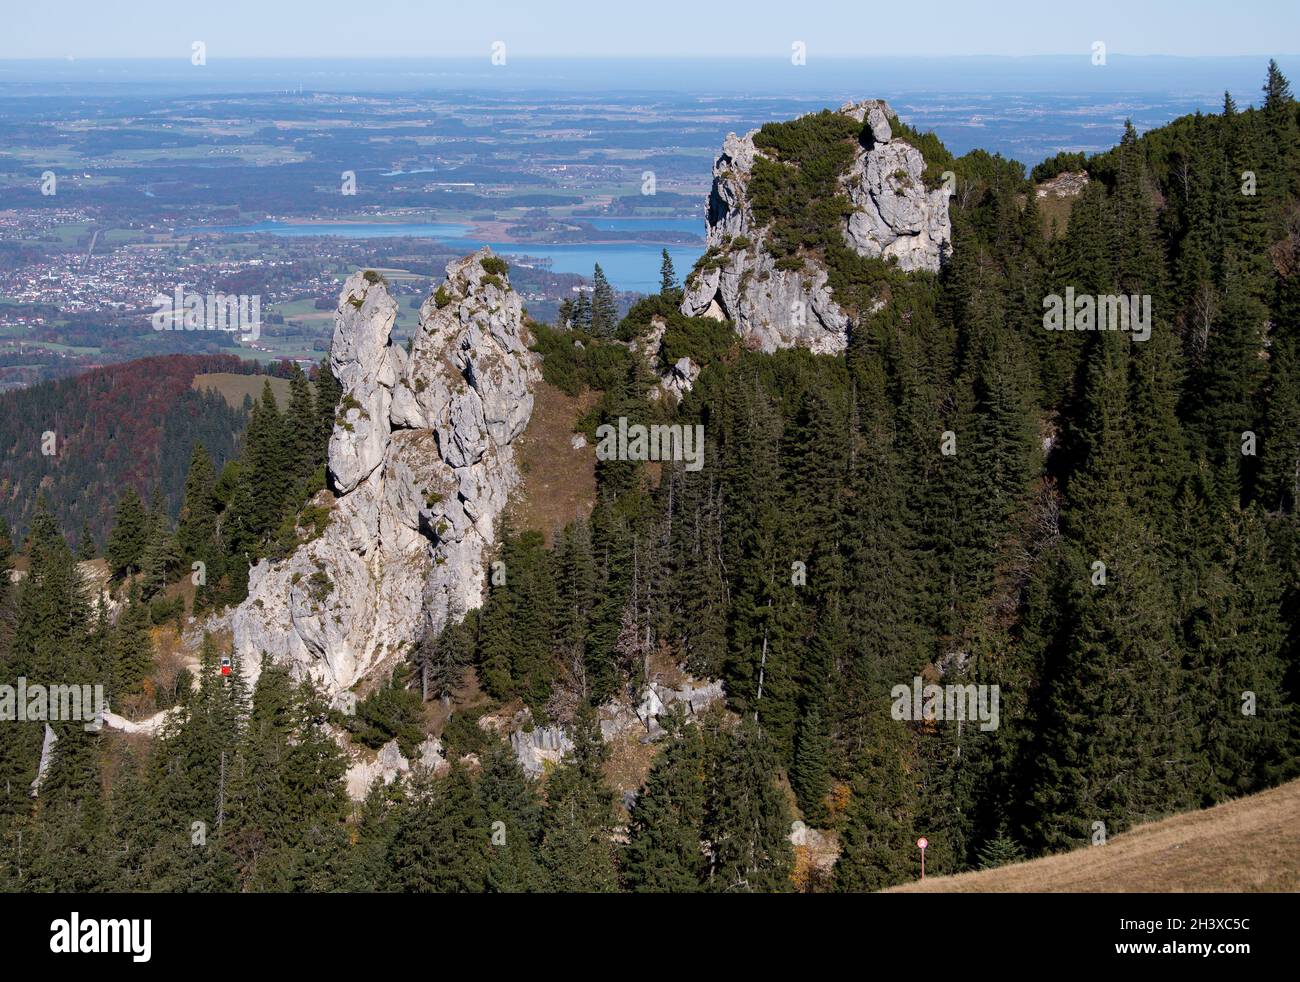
1251, 844
134, 423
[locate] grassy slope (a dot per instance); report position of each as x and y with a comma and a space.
233, 387
1248, 845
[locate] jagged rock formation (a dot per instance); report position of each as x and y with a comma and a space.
421, 463
47, 758
894, 217
656, 699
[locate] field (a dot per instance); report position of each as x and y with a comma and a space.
234, 387
1248, 845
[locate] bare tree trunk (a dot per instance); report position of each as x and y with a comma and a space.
221, 793
762, 664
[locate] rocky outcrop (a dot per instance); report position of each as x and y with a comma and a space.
679, 378
421, 466
1069, 184
47, 757
894, 217
657, 698
536, 747
390, 763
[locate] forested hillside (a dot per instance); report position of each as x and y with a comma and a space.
129, 425
1102, 526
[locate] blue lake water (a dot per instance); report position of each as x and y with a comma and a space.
693, 225
629, 266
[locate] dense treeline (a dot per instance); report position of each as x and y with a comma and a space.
1104, 528
132, 425
831, 549
254, 507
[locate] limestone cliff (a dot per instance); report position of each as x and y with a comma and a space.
421, 466
893, 216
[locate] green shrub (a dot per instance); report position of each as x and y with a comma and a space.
1058, 164
315, 519
319, 586
462, 735
391, 713
702, 339
494, 265
598, 364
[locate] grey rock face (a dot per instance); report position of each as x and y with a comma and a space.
539, 746
680, 377
389, 763
894, 217
422, 464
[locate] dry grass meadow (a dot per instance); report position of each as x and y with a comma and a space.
1243, 846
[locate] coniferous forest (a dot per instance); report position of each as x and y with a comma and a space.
1104, 528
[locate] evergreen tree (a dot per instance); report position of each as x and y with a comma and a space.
748, 820
604, 308
129, 537
667, 276
665, 852
441, 841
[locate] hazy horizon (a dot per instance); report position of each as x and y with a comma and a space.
330, 28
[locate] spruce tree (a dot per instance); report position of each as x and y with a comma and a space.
129, 536
604, 308
667, 276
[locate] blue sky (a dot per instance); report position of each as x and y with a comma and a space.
723, 28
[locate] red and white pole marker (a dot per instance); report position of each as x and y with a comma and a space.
921, 843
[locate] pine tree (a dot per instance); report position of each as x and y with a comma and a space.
877, 842
85, 543
748, 820
506, 797
604, 308
301, 444
327, 396
582, 311
576, 854
442, 838
667, 276
132, 648
665, 851
47, 647
1000, 851
129, 537
810, 773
